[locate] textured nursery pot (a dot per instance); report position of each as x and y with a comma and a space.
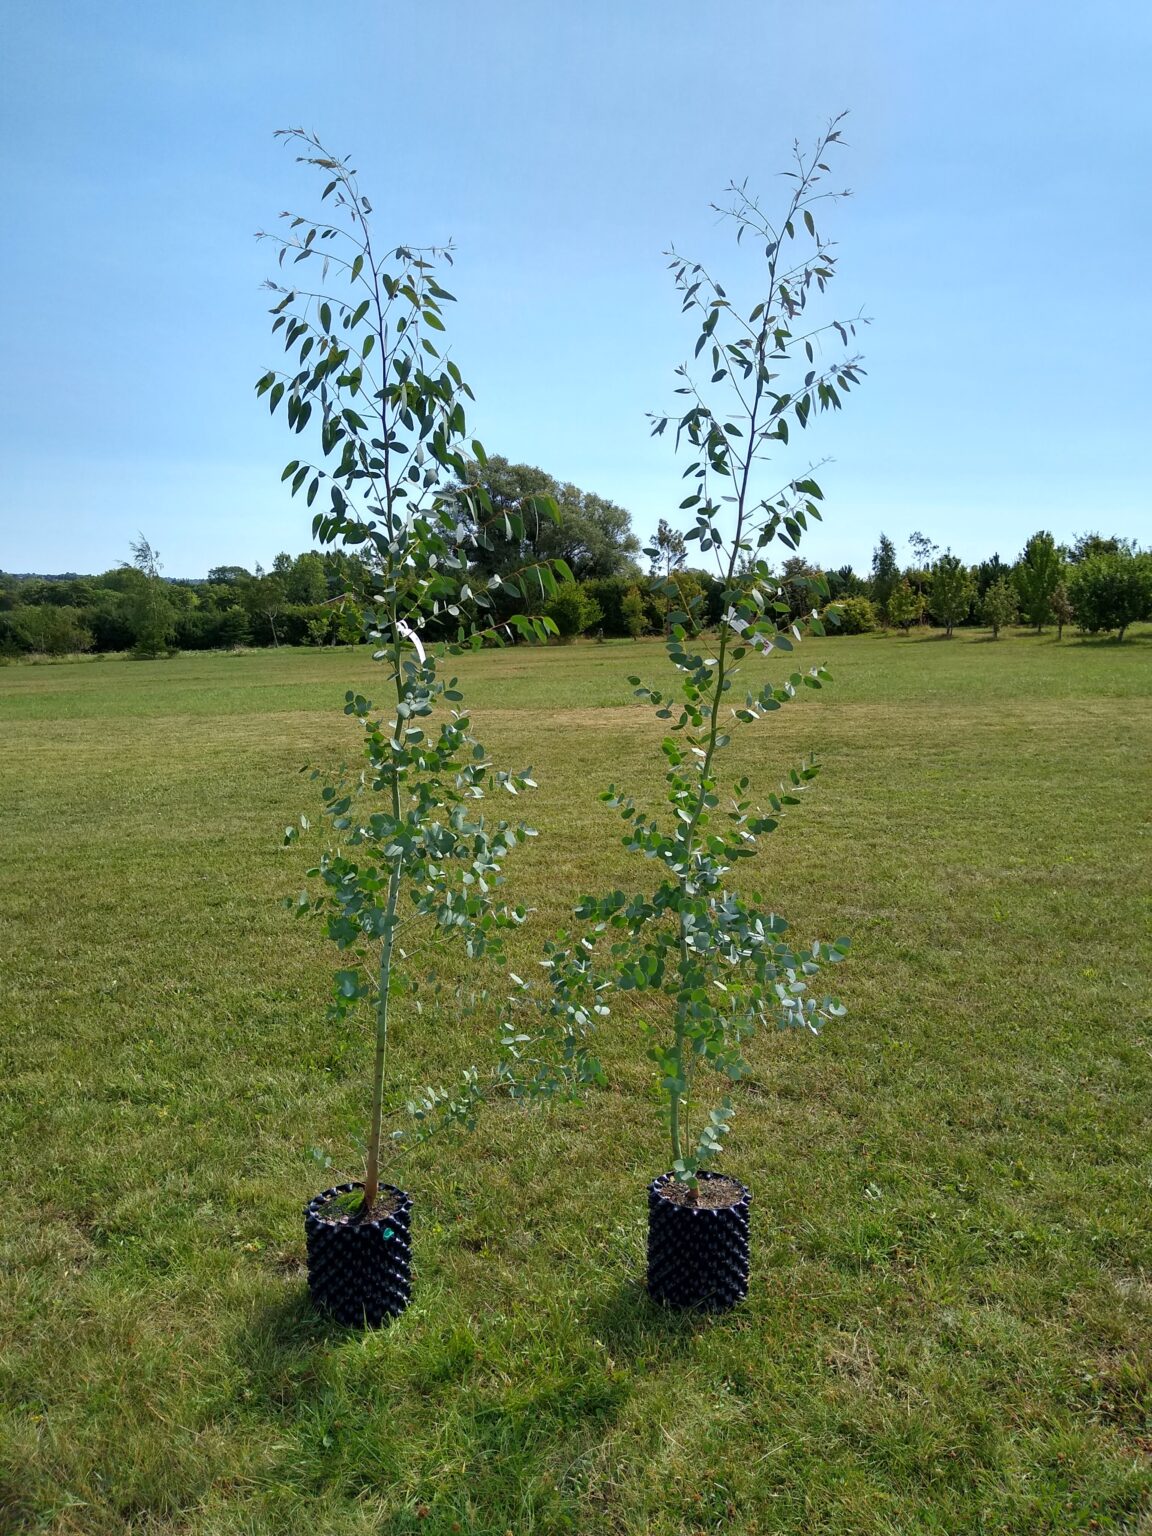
697, 1256
360, 1272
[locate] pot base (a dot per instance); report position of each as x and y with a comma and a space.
359, 1271
697, 1255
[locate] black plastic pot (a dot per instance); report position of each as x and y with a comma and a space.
360, 1271
697, 1255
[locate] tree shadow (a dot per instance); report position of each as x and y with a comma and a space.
282, 1338
1109, 641
635, 1327
515, 1438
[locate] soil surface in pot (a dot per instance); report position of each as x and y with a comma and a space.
709, 1194
345, 1209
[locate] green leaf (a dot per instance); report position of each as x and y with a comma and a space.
347, 984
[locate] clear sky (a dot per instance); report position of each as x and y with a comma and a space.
998, 237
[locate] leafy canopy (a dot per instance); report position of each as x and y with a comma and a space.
365, 370
694, 952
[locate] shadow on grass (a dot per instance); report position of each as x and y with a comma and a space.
636, 1328
439, 1439
285, 1334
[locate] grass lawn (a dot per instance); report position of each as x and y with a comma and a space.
950, 1322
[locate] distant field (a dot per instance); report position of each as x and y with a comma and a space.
950, 1326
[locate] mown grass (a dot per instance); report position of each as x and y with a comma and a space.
949, 1326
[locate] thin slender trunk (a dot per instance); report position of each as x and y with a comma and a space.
372, 1166
674, 1107
383, 980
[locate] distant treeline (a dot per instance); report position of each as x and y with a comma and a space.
1099, 584
298, 602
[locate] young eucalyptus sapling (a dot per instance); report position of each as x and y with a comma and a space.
414, 855
718, 962
152, 614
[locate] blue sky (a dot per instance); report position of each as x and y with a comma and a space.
998, 238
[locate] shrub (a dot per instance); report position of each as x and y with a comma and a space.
999, 606
54, 631
905, 606
1111, 591
573, 611
632, 614
857, 617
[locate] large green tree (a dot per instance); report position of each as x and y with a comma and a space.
1086, 545
844, 582
1111, 591
229, 575
885, 573
593, 536
796, 578
306, 583
265, 597
953, 591
988, 573
1036, 577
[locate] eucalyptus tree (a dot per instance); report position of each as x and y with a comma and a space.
668, 551
151, 613
367, 370
690, 945
924, 550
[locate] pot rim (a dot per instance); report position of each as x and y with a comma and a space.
314, 1210
657, 1187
